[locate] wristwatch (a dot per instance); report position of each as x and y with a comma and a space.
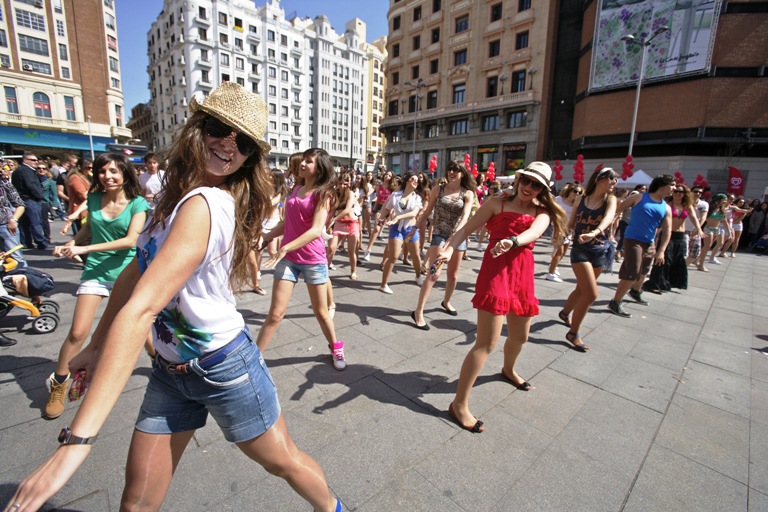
514, 241
67, 437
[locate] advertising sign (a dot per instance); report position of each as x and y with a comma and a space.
684, 49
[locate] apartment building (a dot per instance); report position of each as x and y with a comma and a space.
313, 79
468, 77
376, 142
141, 125
60, 73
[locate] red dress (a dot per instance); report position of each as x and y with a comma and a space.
505, 283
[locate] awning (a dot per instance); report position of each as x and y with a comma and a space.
49, 139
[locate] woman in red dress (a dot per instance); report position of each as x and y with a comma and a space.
505, 283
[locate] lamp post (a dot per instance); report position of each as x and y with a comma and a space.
90, 137
502, 79
416, 84
645, 43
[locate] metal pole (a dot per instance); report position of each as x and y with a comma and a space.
414, 123
90, 138
637, 98
351, 128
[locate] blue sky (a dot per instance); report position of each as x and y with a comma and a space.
134, 17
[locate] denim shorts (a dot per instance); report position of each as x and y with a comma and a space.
586, 254
314, 273
238, 392
94, 287
399, 234
439, 241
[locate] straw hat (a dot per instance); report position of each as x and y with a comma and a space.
243, 110
538, 171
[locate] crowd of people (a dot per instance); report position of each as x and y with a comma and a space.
216, 208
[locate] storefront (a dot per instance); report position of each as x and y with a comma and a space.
14, 141
514, 157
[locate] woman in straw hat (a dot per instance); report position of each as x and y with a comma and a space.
505, 283
206, 360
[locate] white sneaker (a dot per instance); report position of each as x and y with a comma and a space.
367, 256
331, 266
715, 261
338, 356
553, 277
420, 280
557, 272
386, 289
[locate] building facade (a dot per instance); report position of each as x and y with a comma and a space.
141, 125
467, 77
313, 79
376, 142
60, 73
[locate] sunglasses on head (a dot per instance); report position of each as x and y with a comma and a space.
215, 128
536, 185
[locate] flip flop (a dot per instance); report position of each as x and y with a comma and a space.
259, 291
353, 276
477, 428
424, 327
564, 318
525, 386
572, 337
451, 312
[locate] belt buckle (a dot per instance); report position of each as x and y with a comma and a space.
182, 368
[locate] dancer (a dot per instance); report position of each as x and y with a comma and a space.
570, 193
592, 216
217, 191
302, 253
737, 211
117, 214
386, 186
279, 192
345, 223
695, 241
400, 216
717, 228
449, 204
505, 285
649, 211
674, 272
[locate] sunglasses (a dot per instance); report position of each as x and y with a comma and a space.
536, 185
42, 168
454, 170
678, 191
215, 128
32, 159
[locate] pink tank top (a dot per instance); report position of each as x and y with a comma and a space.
299, 213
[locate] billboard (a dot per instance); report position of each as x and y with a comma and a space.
686, 48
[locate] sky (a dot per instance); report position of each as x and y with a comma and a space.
135, 17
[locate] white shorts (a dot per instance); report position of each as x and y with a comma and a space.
94, 287
738, 226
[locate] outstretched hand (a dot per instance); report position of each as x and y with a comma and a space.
274, 259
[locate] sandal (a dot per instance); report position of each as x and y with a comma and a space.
525, 386
353, 276
573, 337
259, 291
564, 318
475, 429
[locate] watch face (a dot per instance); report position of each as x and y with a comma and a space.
64, 434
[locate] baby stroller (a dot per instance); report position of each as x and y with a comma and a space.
18, 283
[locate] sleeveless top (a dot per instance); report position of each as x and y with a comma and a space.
201, 317
447, 213
646, 218
382, 194
588, 219
299, 214
682, 214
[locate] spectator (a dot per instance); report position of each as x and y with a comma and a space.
11, 210
152, 180
31, 192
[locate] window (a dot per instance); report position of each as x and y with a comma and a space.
416, 42
412, 103
437, 5
42, 104
225, 60
204, 76
65, 72
496, 12
33, 45
109, 3
518, 81
60, 28
395, 78
284, 75
417, 13
112, 43
459, 127
3, 39
396, 50
284, 93
272, 90
113, 65
391, 107
5, 61
10, 100
1, 13
204, 55
239, 24
521, 41
239, 64
494, 48
272, 108
115, 83
272, 72
459, 91
460, 57
222, 18
523, 5
224, 39
432, 99
118, 115
202, 34
201, 13
462, 23
516, 119
434, 66
284, 57
225, 77
396, 23
283, 40
270, 35
239, 44
433, 131
110, 21
30, 20
435, 35
37, 67
490, 123
492, 87
240, 81
415, 72
69, 108
271, 53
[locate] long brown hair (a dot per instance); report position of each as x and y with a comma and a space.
326, 178
250, 186
131, 185
546, 200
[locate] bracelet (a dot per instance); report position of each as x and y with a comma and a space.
514, 241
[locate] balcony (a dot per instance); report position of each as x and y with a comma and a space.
40, 122
525, 16
253, 36
181, 62
523, 54
464, 4
206, 42
463, 37
204, 83
203, 21
205, 63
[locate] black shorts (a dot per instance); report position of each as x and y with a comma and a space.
589, 254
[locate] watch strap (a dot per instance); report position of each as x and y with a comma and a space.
66, 437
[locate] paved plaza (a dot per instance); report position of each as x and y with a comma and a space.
668, 411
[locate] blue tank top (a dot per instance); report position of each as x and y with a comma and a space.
646, 218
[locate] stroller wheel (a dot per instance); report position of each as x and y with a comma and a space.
45, 323
48, 306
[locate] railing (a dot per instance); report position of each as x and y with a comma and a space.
34, 121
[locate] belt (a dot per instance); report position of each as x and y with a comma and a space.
211, 359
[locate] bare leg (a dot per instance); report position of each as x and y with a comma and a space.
394, 246
518, 328
426, 288
82, 321
281, 295
452, 277
352, 245
586, 284
413, 248
318, 296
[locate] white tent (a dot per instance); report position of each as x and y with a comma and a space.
638, 178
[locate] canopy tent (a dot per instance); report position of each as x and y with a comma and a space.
638, 178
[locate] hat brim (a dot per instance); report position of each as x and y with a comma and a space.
194, 106
535, 176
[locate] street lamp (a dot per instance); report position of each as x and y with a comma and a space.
502, 79
416, 84
645, 43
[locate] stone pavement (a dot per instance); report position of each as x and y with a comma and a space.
668, 411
